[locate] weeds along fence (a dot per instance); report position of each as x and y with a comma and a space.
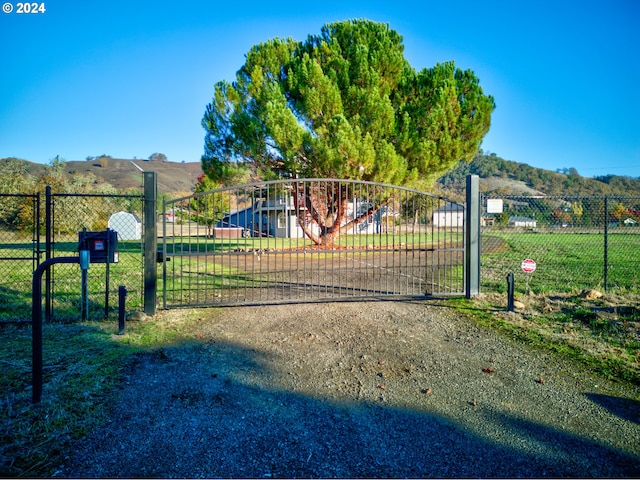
576, 242
32, 231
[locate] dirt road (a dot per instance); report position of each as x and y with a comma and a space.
357, 389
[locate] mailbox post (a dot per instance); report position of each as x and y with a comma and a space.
101, 247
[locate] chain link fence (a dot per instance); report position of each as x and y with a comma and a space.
19, 253
32, 231
72, 214
576, 243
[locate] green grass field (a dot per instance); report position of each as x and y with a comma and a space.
565, 262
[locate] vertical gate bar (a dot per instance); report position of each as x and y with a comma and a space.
606, 242
277, 279
416, 238
194, 247
380, 271
203, 238
442, 245
422, 235
369, 264
265, 231
328, 184
437, 238
385, 271
337, 188
264, 262
322, 185
448, 235
271, 278
242, 257
177, 286
309, 272
405, 258
364, 246
299, 219
336, 281
208, 207
165, 249
164, 253
354, 246
194, 244
303, 188
219, 212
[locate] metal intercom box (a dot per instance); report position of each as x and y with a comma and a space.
102, 246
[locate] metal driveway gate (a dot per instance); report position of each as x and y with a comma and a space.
307, 240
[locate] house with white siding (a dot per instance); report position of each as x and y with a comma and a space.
449, 215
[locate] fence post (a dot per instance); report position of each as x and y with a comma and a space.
36, 323
150, 242
606, 242
472, 238
48, 246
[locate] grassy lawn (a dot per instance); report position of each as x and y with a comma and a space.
565, 262
602, 334
191, 244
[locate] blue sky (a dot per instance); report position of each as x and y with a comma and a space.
130, 78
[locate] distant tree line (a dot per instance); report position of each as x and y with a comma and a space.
16, 212
565, 181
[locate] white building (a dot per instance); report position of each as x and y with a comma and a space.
127, 226
450, 215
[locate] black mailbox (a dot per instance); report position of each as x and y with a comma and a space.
102, 246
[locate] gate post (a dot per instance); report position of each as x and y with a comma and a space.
472, 238
150, 242
48, 242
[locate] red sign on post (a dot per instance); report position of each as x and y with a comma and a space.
528, 266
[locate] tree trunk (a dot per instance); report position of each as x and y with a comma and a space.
325, 205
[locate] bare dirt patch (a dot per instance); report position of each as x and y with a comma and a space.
358, 389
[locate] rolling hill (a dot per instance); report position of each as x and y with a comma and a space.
498, 176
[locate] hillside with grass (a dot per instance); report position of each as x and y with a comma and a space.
504, 177
177, 178
498, 176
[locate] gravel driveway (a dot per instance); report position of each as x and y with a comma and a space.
357, 389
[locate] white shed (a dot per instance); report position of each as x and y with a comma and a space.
449, 215
127, 225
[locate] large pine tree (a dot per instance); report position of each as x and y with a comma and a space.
343, 104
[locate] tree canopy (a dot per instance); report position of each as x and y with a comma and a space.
344, 104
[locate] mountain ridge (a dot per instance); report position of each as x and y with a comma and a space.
498, 177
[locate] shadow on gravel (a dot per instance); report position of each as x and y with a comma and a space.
221, 410
626, 408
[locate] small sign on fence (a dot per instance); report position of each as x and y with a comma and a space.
528, 266
494, 205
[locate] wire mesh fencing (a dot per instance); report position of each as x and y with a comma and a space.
20, 251
576, 243
75, 214
32, 230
